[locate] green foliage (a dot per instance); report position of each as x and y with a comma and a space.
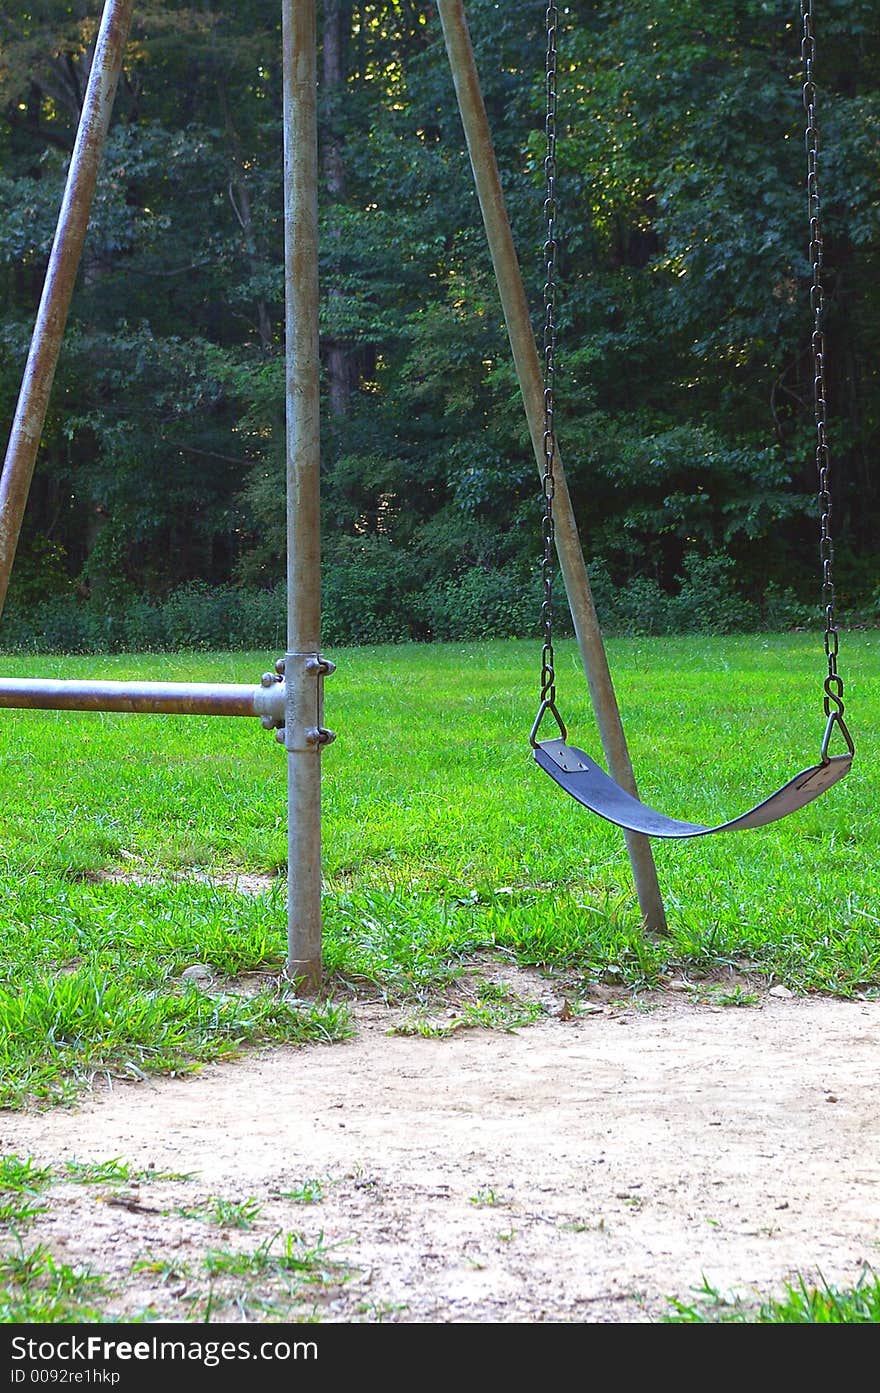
376, 593
803, 1303
225, 1213
684, 380
35, 1288
115, 1171
481, 603
707, 601
21, 1183
297, 1259
311, 1191
40, 571
368, 592
58, 1032
195, 616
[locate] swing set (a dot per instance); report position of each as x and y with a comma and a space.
290, 699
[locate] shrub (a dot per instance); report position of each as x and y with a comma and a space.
482, 603
781, 610
642, 607
368, 592
376, 593
708, 601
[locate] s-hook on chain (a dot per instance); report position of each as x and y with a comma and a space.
548, 478
833, 685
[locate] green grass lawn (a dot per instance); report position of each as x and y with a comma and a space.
442, 839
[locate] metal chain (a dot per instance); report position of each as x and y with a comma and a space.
833, 685
548, 478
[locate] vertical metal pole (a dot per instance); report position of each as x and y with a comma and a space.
299, 42
522, 342
64, 259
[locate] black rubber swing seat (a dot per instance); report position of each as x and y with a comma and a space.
584, 780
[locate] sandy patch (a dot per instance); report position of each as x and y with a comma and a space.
576, 1170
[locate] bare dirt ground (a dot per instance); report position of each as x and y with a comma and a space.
580, 1169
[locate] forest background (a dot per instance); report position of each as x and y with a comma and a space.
156, 517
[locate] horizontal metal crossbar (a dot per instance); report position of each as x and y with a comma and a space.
148, 698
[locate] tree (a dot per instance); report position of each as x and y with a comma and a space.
684, 373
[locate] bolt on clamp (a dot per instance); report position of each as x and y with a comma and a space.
301, 675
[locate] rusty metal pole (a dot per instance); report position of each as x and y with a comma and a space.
522, 342
304, 668
73, 221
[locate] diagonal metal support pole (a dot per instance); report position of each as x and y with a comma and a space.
522, 342
64, 259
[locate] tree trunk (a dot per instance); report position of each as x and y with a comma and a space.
241, 206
